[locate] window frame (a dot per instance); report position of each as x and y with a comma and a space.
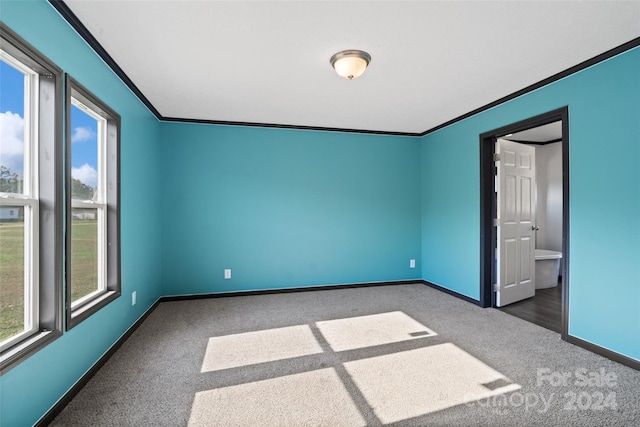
44, 195
27, 199
109, 170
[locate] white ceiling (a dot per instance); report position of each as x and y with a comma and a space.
544, 133
268, 62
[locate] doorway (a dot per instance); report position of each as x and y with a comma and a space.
535, 130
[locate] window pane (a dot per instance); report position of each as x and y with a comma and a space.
84, 155
84, 253
12, 91
12, 319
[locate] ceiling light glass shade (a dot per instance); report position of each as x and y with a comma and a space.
350, 64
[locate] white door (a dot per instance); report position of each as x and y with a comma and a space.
516, 187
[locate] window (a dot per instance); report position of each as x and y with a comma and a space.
93, 215
30, 200
19, 203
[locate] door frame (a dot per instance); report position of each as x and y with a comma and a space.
488, 205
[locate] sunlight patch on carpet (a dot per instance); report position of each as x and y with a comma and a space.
316, 398
372, 330
412, 383
232, 351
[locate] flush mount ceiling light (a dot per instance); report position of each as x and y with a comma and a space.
350, 64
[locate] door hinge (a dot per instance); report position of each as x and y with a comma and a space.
496, 157
495, 222
495, 287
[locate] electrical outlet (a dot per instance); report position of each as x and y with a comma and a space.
412, 263
133, 298
227, 273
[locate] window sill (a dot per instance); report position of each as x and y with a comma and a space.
74, 317
19, 352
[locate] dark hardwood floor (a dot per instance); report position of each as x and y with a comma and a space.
544, 309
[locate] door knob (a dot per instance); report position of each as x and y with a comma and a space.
535, 228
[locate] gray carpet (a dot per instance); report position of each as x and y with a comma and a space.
404, 355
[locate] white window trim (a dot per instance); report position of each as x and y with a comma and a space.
28, 200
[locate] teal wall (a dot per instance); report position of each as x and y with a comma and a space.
286, 208
604, 133
30, 389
